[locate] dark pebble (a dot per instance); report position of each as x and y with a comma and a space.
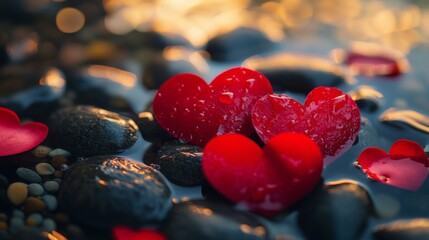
159, 69
159, 41
21, 91
149, 127
86, 130
31, 233
105, 191
181, 163
28, 175
211, 221
4, 182
367, 98
238, 44
339, 210
404, 229
296, 73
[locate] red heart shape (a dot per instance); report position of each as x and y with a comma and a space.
15, 138
189, 109
124, 233
406, 165
329, 116
264, 180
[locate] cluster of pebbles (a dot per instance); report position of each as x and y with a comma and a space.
33, 198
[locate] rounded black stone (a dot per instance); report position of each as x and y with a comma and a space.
149, 128
106, 191
404, 229
339, 210
180, 163
211, 221
86, 131
238, 44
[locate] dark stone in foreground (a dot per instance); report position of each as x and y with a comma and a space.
406, 229
181, 163
338, 211
106, 191
211, 221
149, 128
86, 131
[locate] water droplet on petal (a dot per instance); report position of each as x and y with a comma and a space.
226, 98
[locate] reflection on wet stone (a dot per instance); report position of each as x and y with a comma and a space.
298, 73
406, 117
367, 98
211, 221
86, 131
32, 91
106, 191
406, 229
340, 211
238, 44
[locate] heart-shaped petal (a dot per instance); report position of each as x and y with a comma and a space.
264, 180
189, 109
16, 138
329, 116
406, 165
124, 233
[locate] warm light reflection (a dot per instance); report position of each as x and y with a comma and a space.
70, 20
25, 44
412, 118
53, 78
126, 79
147, 115
182, 53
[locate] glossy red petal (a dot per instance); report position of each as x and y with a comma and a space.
16, 138
189, 109
265, 181
404, 166
125, 233
329, 116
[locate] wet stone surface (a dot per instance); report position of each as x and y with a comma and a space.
404, 229
238, 44
298, 73
105, 191
208, 220
149, 127
180, 163
86, 130
340, 210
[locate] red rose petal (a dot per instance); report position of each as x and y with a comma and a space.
329, 116
404, 167
124, 233
189, 109
265, 181
15, 138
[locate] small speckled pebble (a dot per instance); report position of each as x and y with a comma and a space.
3, 226
17, 193
35, 189
41, 151
57, 161
49, 225
59, 152
45, 169
51, 186
33, 204
28, 175
18, 213
50, 202
16, 224
34, 219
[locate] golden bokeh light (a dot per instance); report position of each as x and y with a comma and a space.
70, 20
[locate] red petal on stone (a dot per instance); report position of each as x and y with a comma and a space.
405, 166
265, 181
189, 109
15, 138
125, 233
